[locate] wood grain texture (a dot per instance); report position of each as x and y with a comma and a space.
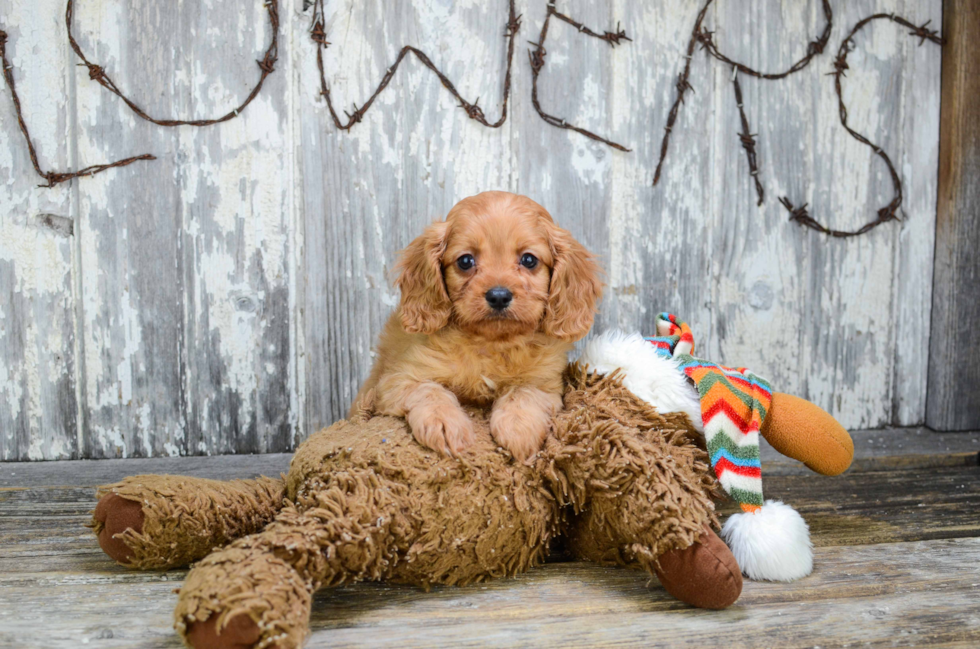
897, 562
186, 267
922, 591
834, 321
225, 297
887, 449
41, 512
366, 193
38, 368
91, 473
954, 348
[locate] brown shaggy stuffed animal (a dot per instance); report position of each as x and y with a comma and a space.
364, 501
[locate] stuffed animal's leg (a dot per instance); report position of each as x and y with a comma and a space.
642, 491
163, 521
258, 590
652, 527
806, 432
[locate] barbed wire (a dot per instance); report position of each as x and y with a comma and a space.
683, 85
748, 139
890, 211
473, 110
98, 74
52, 177
537, 57
707, 40
700, 35
813, 49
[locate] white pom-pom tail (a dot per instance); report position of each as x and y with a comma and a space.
771, 544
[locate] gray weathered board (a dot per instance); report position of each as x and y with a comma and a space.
225, 297
954, 371
896, 563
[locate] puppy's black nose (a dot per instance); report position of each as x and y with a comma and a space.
499, 298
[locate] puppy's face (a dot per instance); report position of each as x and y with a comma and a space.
498, 266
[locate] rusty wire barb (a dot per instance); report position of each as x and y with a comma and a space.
704, 37
473, 110
813, 49
748, 140
52, 177
890, 211
537, 57
683, 87
266, 64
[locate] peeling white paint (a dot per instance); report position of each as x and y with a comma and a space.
35, 268
256, 253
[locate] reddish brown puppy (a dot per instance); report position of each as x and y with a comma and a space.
492, 300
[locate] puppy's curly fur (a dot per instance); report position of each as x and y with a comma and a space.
448, 345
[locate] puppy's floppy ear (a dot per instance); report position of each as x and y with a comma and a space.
575, 287
425, 305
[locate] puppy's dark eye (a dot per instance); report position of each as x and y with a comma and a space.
466, 262
528, 260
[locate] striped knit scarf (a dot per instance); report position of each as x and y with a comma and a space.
734, 402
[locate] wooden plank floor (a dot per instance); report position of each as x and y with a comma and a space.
897, 563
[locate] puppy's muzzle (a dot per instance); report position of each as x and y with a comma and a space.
499, 298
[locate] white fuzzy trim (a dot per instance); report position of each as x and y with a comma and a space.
657, 380
772, 544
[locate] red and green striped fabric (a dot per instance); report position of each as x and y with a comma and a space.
734, 403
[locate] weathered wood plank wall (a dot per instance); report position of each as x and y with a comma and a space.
38, 370
225, 297
954, 350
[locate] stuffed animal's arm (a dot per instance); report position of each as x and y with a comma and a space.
806, 432
165, 521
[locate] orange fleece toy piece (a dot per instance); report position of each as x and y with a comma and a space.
806, 432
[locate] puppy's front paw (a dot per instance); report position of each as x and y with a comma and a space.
521, 421
443, 427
